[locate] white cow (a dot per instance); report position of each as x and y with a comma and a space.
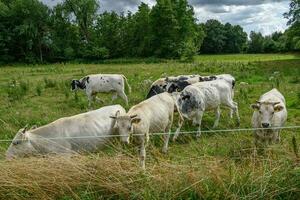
195, 99
269, 112
152, 115
102, 83
58, 136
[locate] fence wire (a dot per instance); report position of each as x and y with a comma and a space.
159, 133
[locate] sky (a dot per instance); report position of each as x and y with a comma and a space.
265, 16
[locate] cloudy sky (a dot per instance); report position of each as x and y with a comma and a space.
258, 15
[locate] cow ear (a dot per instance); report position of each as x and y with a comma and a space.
116, 115
25, 129
133, 116
255, 106
135, 120
278, 108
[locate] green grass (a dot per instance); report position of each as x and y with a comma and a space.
216, 166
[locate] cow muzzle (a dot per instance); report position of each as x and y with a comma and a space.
265, 125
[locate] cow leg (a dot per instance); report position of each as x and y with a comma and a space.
142, 152
199, 119
123, 96
167, 136
217, 112
180, 123
276, 136
166, 142
231, 110
114, 97
231, 113
234, 106
98, 99
237, 113
90, 98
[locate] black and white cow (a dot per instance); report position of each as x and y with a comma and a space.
102, 83
177, 84
160, 85
180, 84
200, 97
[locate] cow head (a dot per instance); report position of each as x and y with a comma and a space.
187, 104
266, 111
156, 89
172, 87
177, 86
75, 84
124, 125
20, 146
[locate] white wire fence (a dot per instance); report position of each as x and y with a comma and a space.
158, 133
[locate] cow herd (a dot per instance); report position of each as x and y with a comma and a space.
189, 95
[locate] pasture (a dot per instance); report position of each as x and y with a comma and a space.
218, 165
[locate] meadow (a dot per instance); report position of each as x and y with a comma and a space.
218, 165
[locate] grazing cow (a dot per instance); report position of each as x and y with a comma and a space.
58, 136
195, 99
177, 84
160, 85
269, 112
102, 83
152, 115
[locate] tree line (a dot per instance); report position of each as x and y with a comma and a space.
74, 29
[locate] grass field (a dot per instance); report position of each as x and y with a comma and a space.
213, 167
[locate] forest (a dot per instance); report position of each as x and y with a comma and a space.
32, 32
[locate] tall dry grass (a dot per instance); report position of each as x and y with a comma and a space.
240, 174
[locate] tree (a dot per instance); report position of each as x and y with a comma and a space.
164, 28
256, 43
141, 44
108, 31
25, 29
235, 39
64, 34
215, 38
269, 45
294, 13
293, 33
85, 12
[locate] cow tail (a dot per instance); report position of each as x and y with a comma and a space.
127, 86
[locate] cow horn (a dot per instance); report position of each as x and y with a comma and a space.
133, 116
25, 128
275, 103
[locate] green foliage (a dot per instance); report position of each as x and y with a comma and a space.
24, 33
294, 13
256, 43
75, 30
221, 38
